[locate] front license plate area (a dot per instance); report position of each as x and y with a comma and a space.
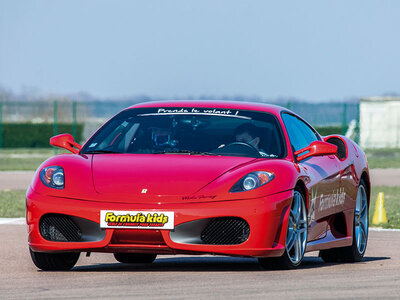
137, 219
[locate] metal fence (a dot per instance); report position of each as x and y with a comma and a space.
94, 113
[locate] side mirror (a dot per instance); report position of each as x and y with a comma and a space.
65, 141
316, 148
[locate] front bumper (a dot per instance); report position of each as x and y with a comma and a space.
266, 216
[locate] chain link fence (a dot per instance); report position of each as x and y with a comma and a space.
86, 117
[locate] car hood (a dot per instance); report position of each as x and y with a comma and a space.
162, 175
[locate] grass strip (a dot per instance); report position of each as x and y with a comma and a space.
392, 205
19, 159
13, 159
12, 203
383, 158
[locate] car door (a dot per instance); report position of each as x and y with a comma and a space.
324, 174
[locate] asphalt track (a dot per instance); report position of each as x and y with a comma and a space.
200, 277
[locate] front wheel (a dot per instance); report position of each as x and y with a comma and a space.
356, 251
296, 237
54, 261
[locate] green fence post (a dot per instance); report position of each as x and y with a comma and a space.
344, 120
55, 121
289, 105
74, 120
1, 125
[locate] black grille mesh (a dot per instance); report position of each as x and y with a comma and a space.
225, 231
60, 228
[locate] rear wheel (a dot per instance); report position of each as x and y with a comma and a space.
54, 261
356, 251
296, 237
135, 258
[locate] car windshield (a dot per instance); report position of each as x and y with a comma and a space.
190, 131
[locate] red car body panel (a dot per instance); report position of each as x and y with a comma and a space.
154, 172
198, 187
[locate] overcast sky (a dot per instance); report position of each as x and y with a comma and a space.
312, 50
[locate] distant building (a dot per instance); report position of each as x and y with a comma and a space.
380, 122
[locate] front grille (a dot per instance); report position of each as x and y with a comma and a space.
60, 228
225, 231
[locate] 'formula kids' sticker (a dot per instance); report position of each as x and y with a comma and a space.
136, 219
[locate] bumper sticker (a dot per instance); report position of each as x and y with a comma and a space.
137, 219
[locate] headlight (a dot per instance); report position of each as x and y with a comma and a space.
252, 181
53, 177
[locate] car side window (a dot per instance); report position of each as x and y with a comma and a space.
300, 134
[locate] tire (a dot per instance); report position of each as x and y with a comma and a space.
135, 258
356, 251
296, 237
54, 261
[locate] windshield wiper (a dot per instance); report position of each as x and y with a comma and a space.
190, 152
100, 151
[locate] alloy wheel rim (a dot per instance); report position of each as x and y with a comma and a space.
297, 230
361, 219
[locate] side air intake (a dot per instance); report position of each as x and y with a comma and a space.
225, 231
59, 228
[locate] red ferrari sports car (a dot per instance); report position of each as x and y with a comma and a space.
189, 177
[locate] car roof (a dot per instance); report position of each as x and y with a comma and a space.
275, 109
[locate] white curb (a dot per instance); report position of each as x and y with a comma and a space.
12, 221
383, 229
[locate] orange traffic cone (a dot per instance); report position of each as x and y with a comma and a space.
380, 212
